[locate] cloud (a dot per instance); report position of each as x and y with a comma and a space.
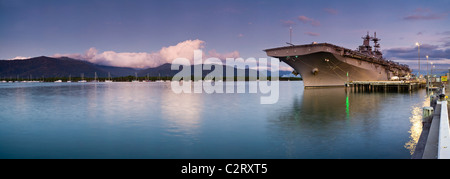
411, 53
426, 17
146, 60
126, 59
308, 20
213, 53
285, 68
443, 33
422, 10
331, 11
425, 14
312, 34
445, 41
20, 58
181, 50
304, 19
287, 23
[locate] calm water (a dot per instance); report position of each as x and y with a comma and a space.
147, 120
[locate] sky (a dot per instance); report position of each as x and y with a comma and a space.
147, 33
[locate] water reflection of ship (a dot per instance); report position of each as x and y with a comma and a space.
337, 103
320, 122
321, 106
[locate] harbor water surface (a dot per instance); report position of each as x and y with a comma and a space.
148, 120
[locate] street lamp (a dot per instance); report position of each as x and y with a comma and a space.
431, 71
418, 48
427, 64
428, 77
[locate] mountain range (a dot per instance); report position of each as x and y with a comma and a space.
39, 67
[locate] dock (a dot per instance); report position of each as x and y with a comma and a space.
372, 86
434, 141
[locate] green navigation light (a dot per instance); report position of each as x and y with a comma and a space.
347, 107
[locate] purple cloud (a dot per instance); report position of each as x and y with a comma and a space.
422, 10
287, 23
331, 11
426, 17
445, 41
311, 21
443, 33
312, 34
425, 14
183, 49
411, 53
438, 54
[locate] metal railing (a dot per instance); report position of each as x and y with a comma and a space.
444, 131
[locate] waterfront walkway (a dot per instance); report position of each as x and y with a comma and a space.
434, 142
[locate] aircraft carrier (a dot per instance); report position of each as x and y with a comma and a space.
324, 64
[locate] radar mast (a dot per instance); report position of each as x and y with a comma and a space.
375, 40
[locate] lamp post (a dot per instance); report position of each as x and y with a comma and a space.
418, 49
290, 34
428, 77
427, 64
431, 72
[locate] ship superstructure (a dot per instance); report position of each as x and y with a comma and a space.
324, 64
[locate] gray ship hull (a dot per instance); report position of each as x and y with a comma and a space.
329, 65
326, 69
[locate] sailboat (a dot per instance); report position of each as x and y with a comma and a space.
95, 78
82, 79
136, 80
159, 78
17, 79
58, 81
69, 81
109, 78
209, 79
147, 79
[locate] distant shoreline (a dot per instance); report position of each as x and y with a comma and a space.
131, 78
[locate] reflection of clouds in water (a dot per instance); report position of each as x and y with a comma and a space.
416, 125
182, 111
125, 103
92, 102
20, 100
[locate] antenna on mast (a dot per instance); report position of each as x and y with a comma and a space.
290, 34
375, 40
290, 37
